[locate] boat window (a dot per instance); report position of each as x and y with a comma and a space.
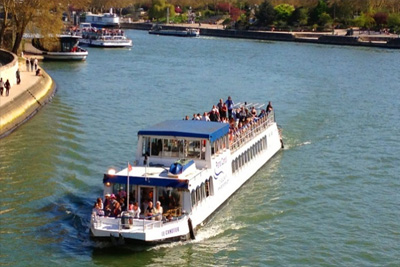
203, 191
233, 166
176, 147
193, 197
198, 194
156, 146
146, 145
211, 186
192, 149
207, 188
203, 149
169, 197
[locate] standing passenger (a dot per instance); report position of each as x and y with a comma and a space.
229, 103
18, 77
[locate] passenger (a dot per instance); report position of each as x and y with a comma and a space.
158, 211
135, 212
253, 112
224, 111
198, 117
205, 117
117, 209
149, 211
269, 107
186, 118
122, 203
100, 203
121, 192
97, 209
107, 201
229, 103
219, 105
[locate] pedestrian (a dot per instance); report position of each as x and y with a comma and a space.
18, 77
27, 62
31, 62
36, 63
1, 86
7, 85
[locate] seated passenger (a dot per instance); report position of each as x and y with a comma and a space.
148, 212
158, 211
135, 211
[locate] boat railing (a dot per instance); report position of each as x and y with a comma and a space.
249, 131
126, 221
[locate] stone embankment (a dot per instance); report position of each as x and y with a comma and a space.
381, 41
26, 98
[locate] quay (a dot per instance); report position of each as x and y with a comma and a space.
338, 38
25, 98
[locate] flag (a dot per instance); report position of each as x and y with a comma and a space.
129, 167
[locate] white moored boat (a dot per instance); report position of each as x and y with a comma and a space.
107, 38
191, 167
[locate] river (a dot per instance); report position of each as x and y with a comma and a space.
331, 197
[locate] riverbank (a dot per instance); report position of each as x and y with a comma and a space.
24, 99
337, 38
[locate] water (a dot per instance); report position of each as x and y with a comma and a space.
331, 197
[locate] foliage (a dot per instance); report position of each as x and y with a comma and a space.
365, 21
393, 22
316, 13
159, 9
299, 17
283, 11
265, 13
325, 20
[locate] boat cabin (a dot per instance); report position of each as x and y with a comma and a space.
172, 159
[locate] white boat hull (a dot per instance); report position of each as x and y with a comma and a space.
227, 177
65, 55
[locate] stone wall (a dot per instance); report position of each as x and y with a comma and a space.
25, 105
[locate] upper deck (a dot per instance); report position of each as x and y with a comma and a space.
193, 129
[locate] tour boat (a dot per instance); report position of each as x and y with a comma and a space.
107, 38
175, 32
105, 20
191, 167
64, 47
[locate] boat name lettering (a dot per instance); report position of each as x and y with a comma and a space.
222, 162
170, 231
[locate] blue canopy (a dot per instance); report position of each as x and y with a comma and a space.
188, 128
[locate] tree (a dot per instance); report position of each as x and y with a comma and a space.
8, 9
283, 12
265, 13
299, 17
318, 10
159, 9
393, 22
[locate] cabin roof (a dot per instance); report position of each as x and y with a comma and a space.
188, 128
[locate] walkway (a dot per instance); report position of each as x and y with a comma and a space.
28, 79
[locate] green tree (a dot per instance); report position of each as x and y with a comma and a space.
299, 17
393, 22
321, 8
159, 8
265, 13
283, 12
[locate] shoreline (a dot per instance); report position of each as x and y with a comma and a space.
338, 38
25, 99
